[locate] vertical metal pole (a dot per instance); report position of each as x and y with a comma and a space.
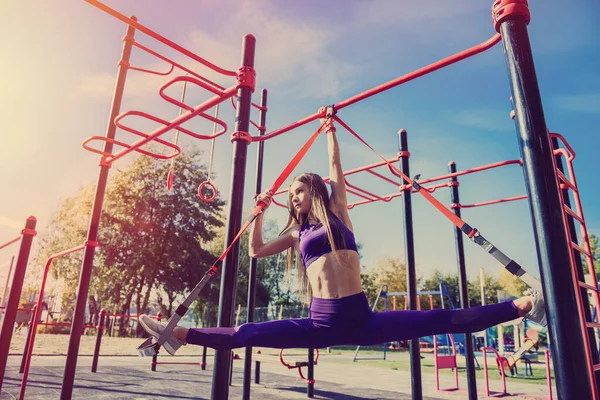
28, 340
568, 349
411, 273
262, 120
310, 388
7, 281
385, 305
220, 388
15, 293
92, 235
483, 301
155, 355
99, 333
463, 288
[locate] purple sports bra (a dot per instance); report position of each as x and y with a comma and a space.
314, 242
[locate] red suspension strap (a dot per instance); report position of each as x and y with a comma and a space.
509, 264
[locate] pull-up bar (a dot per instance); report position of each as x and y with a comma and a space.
133, 23
391, 84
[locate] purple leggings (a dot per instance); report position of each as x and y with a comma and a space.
350, 321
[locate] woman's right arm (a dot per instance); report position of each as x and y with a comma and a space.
256, 247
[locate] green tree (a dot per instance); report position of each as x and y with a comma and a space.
511, 284
491, 291
270, 277
433, 285
595, 255
150, 239
390, 272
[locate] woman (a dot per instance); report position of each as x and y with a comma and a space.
320, 230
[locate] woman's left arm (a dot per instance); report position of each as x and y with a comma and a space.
338, 202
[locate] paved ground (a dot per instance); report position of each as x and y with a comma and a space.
131, 378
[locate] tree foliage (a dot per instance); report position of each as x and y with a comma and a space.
272, 288
151, 241
595, 255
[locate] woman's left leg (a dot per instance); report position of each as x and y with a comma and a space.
389, 326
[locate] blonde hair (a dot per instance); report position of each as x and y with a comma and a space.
319, 210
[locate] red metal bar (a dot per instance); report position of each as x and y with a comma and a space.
569, 154
154, 35
85, 145
472, 170
15, 240
288, 128
38, 310
353, 171
18, 309
422, 71
391, 84
485, 369
173, 65
397, 184
487, 203
548, 373
174, 124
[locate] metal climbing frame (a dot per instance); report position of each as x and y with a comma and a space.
510, 19
242, 87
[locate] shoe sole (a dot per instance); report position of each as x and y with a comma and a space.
171, 345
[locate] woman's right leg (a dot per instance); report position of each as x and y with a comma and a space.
280, 334
389, 326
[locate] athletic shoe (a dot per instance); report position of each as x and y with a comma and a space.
155, 328
538, 310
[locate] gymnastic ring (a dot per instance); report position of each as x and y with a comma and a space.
212, 187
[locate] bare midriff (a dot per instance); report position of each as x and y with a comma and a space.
332, 279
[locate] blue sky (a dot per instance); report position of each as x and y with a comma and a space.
58, 83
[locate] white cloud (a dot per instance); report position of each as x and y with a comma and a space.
10, 223
412, 13
484, 119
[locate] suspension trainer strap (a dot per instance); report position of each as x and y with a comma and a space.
509, 264
183, 308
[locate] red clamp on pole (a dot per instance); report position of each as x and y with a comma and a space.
211, 187
455, 205
240, 135
404, 154
246, 77
503, 9
453, 183
27, 231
